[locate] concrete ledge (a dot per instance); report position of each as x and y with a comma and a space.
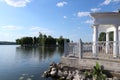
89, 63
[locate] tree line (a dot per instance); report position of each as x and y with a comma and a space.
42, 40
102, 36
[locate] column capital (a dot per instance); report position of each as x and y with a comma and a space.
95, 25
116, 25
107, 32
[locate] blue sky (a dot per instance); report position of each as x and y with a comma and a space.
69, 18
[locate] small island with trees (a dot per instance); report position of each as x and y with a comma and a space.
42, 40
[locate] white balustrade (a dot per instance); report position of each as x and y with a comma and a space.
84, 50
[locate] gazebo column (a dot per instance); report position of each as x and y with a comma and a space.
107, 42
95, 39
115, 44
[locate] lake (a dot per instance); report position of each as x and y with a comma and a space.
19, 62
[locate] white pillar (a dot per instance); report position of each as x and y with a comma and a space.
95, 39
80, 49
115, 44
65, 49
107, 42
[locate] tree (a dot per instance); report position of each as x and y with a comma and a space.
26, 41
41, 37
18, 41
34, 40
111, 36
102, 36
61, 40
42, 40
50, 41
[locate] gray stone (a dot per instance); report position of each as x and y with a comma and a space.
109, 79
115, 78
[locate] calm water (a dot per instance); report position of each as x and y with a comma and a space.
17, 62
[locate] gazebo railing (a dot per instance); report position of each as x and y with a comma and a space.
71, 49
102, 45
101, 50
85, 49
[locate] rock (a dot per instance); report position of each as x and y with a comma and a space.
82, 77
69, 77
50, 67
53, 64
53, 69
62, 78
53, 73
46, 74
59, 73
109, 79
21, 78
65, 74
77, 76
73, 73
60, 66
29, 79
32, 76
77, 71
115, 78
24, 74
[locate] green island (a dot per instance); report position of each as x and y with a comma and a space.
42, 40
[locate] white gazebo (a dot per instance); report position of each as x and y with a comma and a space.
106, 22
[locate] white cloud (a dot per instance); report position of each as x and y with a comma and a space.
107, 2
83, 14
64, 17
89, 21
61, 4
17, 3
10, 27
115, 11
95, 9
37, 29
11, 32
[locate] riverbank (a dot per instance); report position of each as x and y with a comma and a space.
62, 72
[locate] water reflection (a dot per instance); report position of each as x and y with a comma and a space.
16, 60
42, 53
37, 59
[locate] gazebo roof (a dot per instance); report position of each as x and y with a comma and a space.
106, 20
98, 14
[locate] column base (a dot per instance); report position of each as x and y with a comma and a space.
115, 56
95, 55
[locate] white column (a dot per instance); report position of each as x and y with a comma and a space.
107, 42
65, 49
95, 39
80, 49
115, 44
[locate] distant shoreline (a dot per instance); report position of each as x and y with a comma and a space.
7, 43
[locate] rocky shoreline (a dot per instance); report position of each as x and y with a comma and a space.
60, 72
